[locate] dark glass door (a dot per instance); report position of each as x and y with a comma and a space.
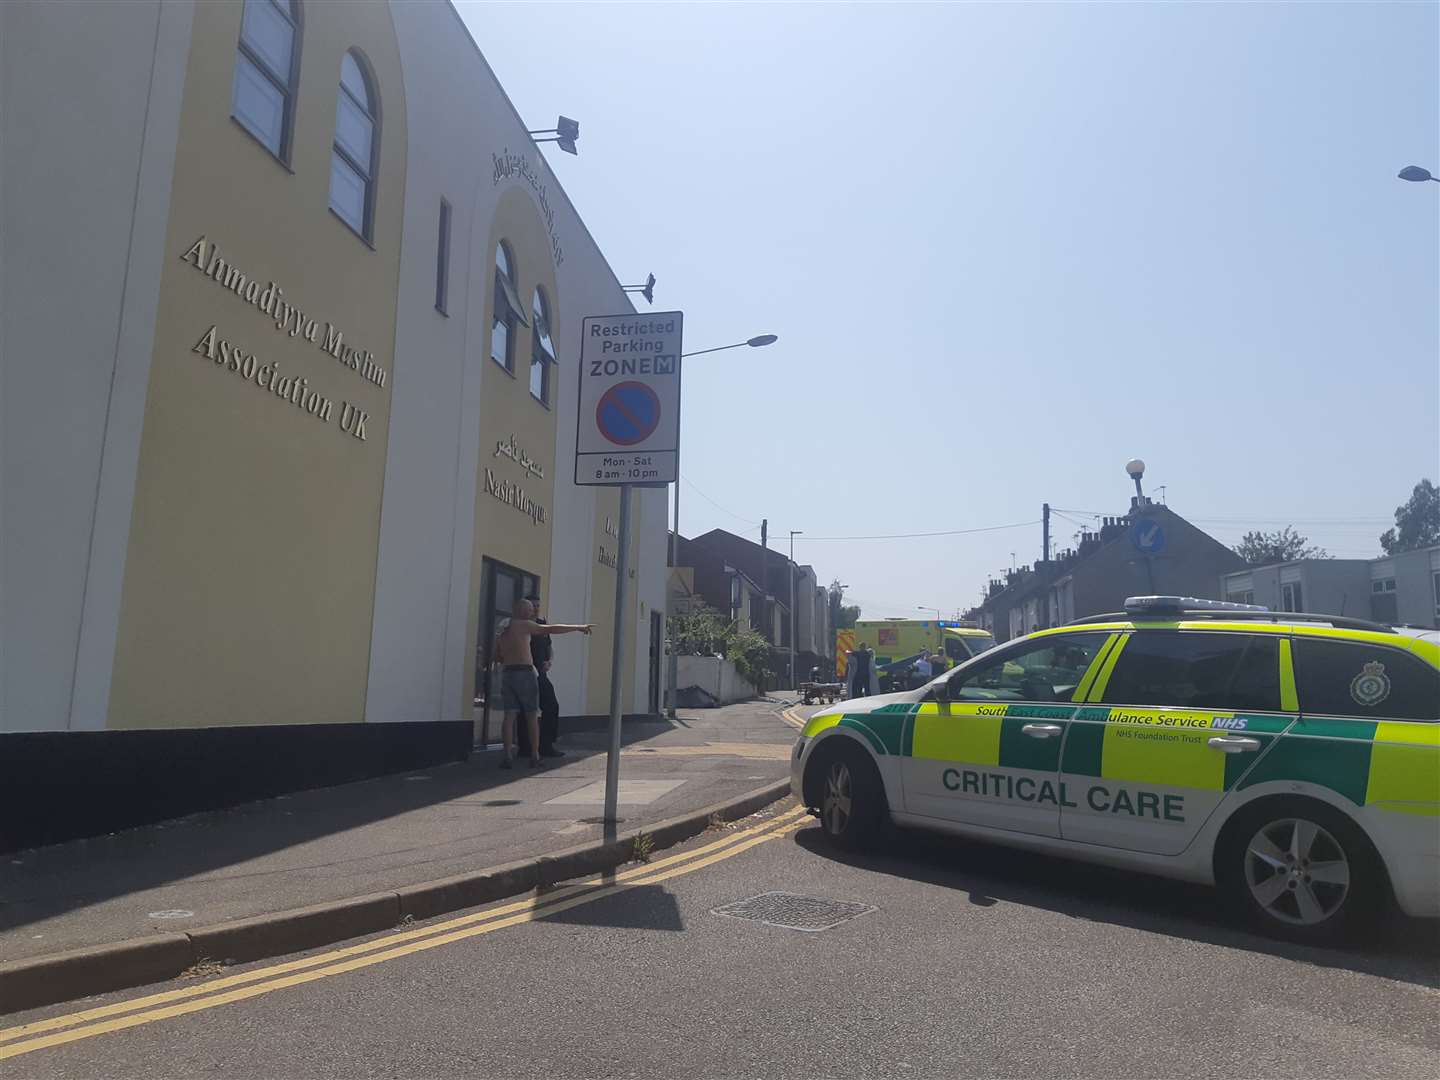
502, 587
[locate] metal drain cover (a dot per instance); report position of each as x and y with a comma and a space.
794, 912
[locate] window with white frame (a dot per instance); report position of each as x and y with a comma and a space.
266, 71
542, 352
1383, 585
508, 313
1290, 597
352, 161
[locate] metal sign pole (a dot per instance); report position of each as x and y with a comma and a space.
627, 432
672, 664
617, 658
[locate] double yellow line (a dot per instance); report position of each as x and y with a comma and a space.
107, 1019
794, 719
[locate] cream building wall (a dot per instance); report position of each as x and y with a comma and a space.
439, 520
182, 549
85, 181
250, 577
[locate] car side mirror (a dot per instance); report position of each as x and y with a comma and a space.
941, 690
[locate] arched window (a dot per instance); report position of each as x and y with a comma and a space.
352, 162
266, 71
542, 352
508, 311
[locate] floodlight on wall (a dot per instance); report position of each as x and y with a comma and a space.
563, 134
647, 290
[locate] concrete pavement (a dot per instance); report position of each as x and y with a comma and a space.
966, 961
382, 834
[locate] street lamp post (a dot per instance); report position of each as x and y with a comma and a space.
674, 545
1135, 469
1416, 174
754, 343
794, 615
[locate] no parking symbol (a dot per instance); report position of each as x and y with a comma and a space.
628, 413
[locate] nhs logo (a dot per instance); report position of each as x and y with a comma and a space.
1229, 723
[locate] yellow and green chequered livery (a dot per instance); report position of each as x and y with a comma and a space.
1391, 764
1136, 742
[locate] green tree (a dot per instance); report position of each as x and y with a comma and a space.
1286, 545
1417, 523
842, 615
703, 631
698, 632
748, 650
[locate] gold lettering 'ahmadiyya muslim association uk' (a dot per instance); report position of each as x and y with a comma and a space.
270, 300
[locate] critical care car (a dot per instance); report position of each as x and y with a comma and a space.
1291, 760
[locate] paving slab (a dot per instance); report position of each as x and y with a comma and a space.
375, 836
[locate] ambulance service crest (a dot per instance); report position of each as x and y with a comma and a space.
1372, 685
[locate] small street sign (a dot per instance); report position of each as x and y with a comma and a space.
628, 427
1148, 537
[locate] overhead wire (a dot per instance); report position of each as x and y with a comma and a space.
1243, 520
879, 536
712, 502
942, 532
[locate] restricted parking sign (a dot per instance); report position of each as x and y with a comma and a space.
628, 427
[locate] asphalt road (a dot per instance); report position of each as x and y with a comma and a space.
974, 961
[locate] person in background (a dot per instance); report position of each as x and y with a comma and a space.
542, 652
922, 668
860, 672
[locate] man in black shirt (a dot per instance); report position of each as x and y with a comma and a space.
859, 671
541, 651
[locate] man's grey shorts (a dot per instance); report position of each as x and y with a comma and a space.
520, 689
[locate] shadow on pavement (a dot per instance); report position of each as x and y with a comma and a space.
643, 907
39, 883
1402, 948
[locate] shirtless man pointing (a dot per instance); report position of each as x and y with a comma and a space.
519, 683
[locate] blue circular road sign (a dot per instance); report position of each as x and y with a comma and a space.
1148, 537
628, 413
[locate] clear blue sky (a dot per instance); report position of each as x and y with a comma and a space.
1008, 247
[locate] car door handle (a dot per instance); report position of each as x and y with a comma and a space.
1042, 731
1234, 744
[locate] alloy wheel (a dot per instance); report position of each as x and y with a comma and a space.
835, 807
1296, 871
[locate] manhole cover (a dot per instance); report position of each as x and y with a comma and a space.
794, 912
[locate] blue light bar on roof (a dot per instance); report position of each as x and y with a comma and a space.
1155, 605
